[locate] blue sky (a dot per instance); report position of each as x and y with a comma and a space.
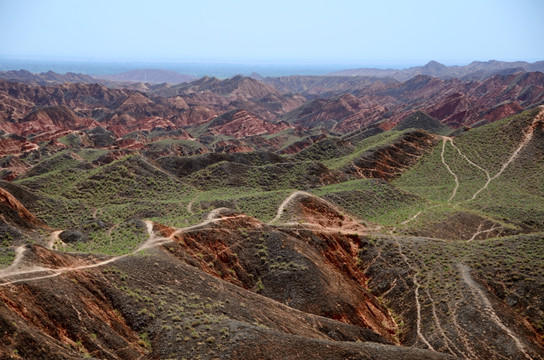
313, 32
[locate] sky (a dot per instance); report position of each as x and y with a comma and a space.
281, 31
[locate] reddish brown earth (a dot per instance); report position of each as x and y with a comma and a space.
389, 161
233, 286
15, 213
237, 92
50, 112
302, 144
240, 123
236, 251
229, 281
104, 316
453, 102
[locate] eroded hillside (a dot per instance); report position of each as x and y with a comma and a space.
128, 231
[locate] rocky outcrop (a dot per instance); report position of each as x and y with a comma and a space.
389, 161
237, 92
453, 102
240, 123
15, 213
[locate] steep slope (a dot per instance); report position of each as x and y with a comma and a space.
389, 161
48, 120
453, 102
495, 169
278, 265
130, 310
12, 212
237, 92
332, 113
420, 120
239, 123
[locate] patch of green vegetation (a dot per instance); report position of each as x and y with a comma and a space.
144, 341
420, 120
7, 255
71, 190
120, 239
90, 155
266, 177
71, 140
428, 178
287, 137
516, 189
188, 147
362, 147
373, 200
326, 149
510, 267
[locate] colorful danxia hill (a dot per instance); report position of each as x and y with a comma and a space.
364, 214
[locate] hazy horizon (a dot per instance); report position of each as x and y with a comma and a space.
349, 34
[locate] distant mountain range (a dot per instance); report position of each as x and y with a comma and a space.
335, 82
149, 76
45, 78
478, 70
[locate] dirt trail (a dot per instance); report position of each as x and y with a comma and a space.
479, 294
153, 239
355, 228
447, 341
444, 140
412, 218
416, 295
479, 231
215, 212
460, 332
19, 253
151, 242
287, 200
53, 239
328, 229
190, 204
470, 161
526, 138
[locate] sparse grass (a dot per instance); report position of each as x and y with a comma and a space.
7, 255
512, 267
517, 195
363, 146
120, 239
373, 200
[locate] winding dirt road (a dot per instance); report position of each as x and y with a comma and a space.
416, 295
285, 202
19, 253
484, 301
47, 273
444, 140
526, 138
